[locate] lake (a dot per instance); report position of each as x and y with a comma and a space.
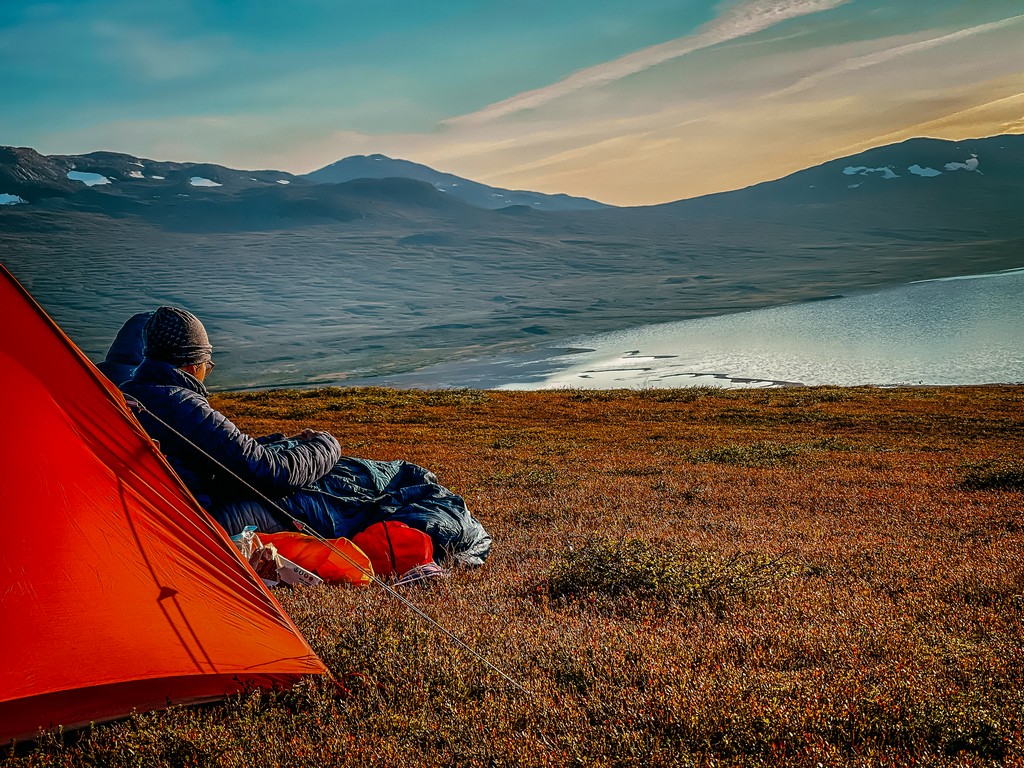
963, 330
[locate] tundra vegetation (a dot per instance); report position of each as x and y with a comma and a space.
777, 577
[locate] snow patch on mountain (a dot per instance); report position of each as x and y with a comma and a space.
6, 199
89, 179
863, 170
199, 181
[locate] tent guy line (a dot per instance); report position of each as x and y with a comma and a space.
136, 406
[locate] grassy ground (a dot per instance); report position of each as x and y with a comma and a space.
680, 577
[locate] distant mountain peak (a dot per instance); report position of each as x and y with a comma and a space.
378, 166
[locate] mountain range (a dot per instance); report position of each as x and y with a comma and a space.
27, 176
351, 270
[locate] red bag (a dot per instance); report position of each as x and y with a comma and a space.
340, 563
394, 548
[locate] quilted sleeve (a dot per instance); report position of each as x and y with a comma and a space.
276, 471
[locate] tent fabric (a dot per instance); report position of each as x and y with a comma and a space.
117, 592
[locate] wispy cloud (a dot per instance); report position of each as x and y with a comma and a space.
150, 55
742, 20
881, 57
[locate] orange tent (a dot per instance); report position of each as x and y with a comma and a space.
117, 591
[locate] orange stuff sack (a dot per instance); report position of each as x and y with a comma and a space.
394, 548
340, 563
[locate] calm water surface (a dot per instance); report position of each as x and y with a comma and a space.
967, 330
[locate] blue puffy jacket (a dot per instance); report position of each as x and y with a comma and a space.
180, 399
337, 496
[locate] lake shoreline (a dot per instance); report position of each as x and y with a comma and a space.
947, 331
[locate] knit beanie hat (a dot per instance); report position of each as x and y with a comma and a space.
177, 337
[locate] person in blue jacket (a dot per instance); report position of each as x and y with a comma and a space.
305, 474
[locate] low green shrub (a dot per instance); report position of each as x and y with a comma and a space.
661, 572
996, 475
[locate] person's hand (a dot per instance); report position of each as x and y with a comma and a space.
306, 435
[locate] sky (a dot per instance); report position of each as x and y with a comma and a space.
630, 103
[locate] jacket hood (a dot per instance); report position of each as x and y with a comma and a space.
126, 348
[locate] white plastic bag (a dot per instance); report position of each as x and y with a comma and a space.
270, 566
